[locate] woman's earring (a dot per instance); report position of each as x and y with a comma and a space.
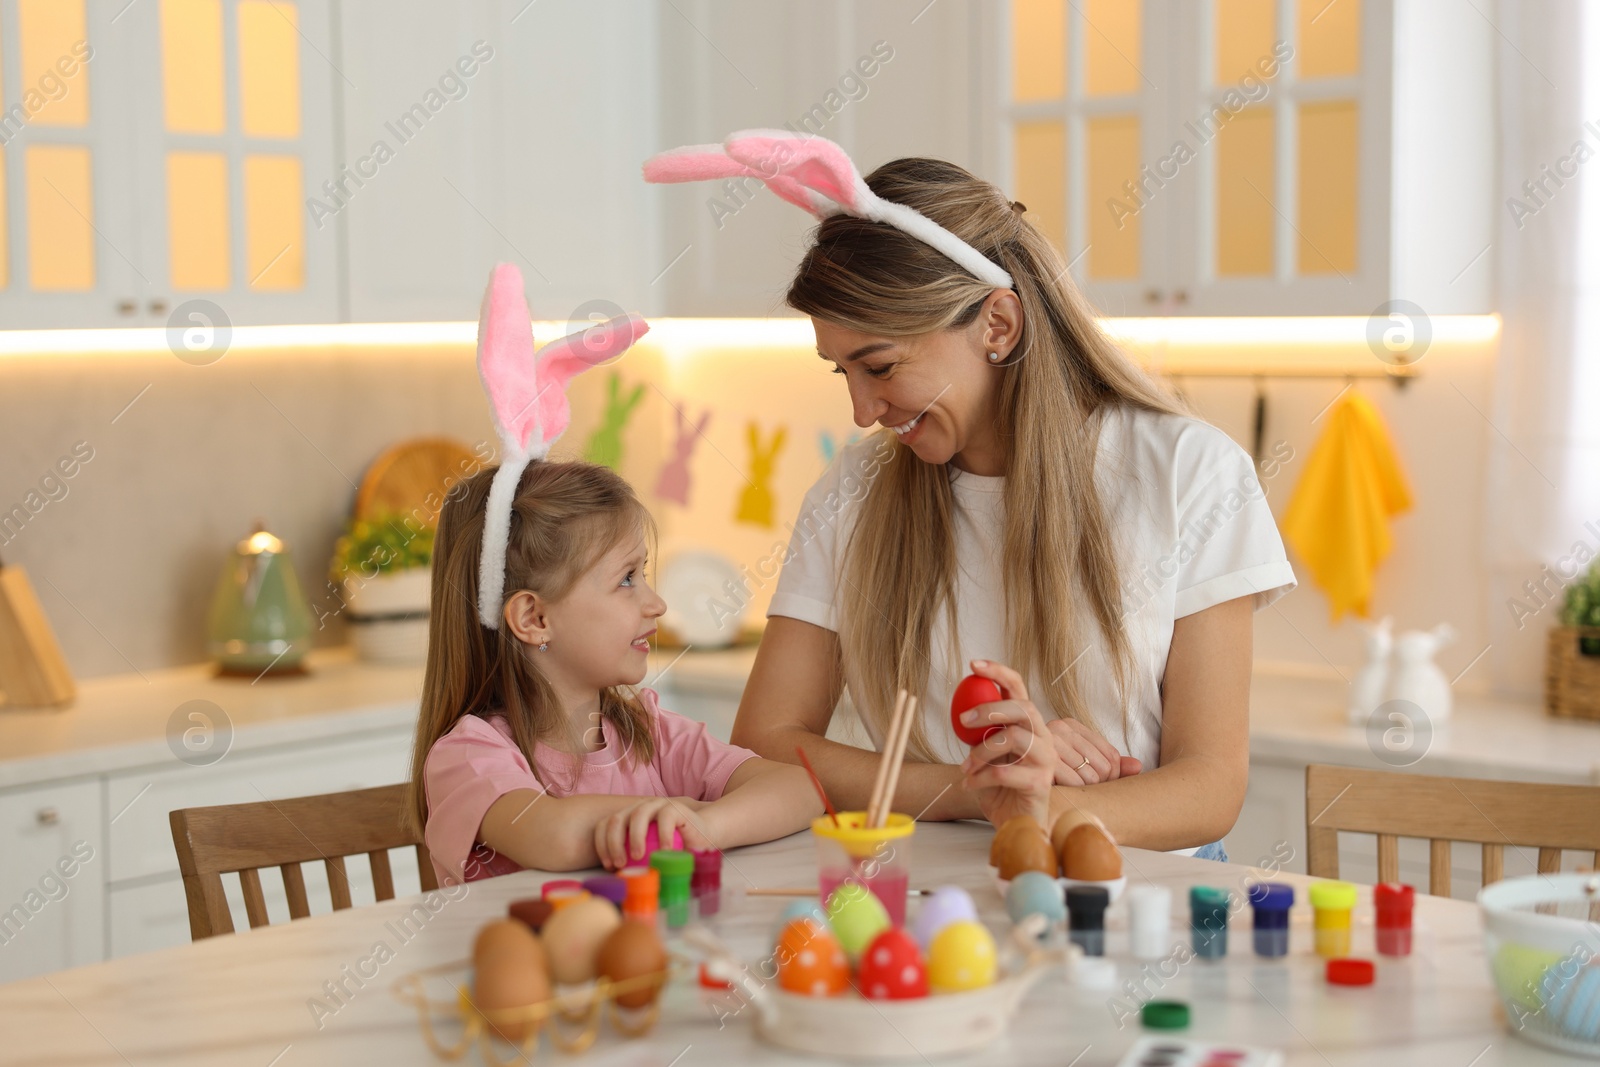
994, 357
544, 646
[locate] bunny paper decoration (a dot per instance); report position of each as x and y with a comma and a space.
815, 174
527, 393
605, 444
755, 500
673, 484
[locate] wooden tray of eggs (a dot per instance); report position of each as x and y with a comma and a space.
1078, 850
583, 962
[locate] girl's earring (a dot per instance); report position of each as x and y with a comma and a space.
994, 357
544, 646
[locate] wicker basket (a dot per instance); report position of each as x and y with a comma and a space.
1572, 679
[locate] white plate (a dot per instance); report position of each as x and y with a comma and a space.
706, 603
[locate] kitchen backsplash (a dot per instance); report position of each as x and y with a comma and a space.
172, 463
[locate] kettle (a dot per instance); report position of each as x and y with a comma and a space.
260, 620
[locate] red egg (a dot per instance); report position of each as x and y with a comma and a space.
973, 690
892, 968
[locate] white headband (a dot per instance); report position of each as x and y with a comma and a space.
815, 174
528, 399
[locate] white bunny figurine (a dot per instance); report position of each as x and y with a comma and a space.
1417, 678
1367, 688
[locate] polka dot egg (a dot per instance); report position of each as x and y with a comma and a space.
961, 957
892, 968
810, 961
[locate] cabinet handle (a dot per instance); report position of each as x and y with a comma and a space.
157, 307
127, 307
47, 816
1152, 296
1180, 296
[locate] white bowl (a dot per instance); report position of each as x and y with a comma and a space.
1544, 957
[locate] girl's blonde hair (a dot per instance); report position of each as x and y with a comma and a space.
898, 567
565, 516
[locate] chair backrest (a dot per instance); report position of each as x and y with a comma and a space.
244, 838
1441, 810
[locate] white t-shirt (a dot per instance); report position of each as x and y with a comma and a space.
1193, 530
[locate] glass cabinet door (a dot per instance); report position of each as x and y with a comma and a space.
1086, 91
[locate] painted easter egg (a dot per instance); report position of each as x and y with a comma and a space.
1035, 893
800, 909
949, 903
961, 957
972, 691
892, 968
857, 916
810, 961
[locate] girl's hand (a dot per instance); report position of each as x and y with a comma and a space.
1075, 743
1012, 771
614, 834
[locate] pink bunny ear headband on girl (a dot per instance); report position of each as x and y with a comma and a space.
528, 398
817, 175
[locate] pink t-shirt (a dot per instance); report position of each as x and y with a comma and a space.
477, 763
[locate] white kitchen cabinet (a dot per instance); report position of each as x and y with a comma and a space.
884, 80
534, 121
52, 882
1221, 157
173, 167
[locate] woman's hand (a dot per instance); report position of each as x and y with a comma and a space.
615, 834
1012, 771
1084, 757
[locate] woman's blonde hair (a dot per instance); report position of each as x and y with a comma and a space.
898, 566
564, 518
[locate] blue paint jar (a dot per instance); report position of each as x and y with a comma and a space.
1271, 902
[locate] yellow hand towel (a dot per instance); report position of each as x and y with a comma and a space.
1338, 518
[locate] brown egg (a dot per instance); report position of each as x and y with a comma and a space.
1026, 850
1070, 820
1090, 855
1020, 824
509, 971
533, 911
632, 950
573, 936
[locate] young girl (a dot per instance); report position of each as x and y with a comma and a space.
529, 751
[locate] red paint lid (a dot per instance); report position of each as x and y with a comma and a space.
1393, 896
1350, 972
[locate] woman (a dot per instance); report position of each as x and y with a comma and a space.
1035, 509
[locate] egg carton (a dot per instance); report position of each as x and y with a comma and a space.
852, 1027
571, 1017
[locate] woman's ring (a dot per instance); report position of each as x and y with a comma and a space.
1082, 765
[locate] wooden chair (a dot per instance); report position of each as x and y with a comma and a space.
244, 838
1493, 814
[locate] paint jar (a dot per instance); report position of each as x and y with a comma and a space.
1270, 903
1393, 903
1150, 910
641, 893
1208, 921
1331, 904
1086, 917
676, 869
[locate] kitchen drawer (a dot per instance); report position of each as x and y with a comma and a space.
52, 879
138, 802
155, 914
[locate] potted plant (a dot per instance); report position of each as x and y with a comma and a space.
383, 568
1572, 657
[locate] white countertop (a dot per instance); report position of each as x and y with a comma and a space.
246, 999
125, 721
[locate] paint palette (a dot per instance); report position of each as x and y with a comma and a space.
1181, 1052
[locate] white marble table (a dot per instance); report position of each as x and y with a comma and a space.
247, 999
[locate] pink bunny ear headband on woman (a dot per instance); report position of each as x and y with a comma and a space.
815, 174
528, 398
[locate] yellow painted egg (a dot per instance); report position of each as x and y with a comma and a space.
962, 957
